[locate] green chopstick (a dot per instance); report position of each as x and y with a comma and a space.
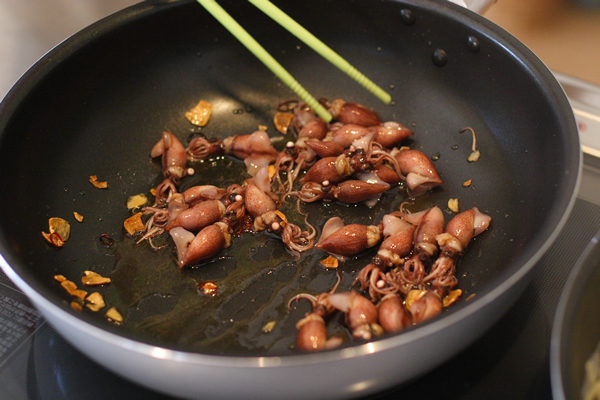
310, 40
251, 44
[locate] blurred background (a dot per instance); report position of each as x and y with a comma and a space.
565, 34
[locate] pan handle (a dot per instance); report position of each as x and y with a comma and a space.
478, 6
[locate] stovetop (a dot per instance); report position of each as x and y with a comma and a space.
511, 360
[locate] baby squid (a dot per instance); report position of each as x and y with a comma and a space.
453, 242
174, 158
352, 113
361, 314
427, 305
430, 224
312, 330
192, 249
392, 315
421, 175
347, 240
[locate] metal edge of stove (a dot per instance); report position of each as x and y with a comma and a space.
584, 98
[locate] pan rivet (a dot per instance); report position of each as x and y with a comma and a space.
440, 58
473, 44
407, 17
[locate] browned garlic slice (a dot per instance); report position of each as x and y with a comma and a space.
282, 121
208, 288
71, 288
60, 226
134, 223
268, 327
452, 296
413, 296
453, 205
95, 302
100, 185
113, 315
474, 156
136, 201
76, 305
200, 114
92, 278
330, 262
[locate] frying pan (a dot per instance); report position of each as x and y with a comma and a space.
576, 330
97, 103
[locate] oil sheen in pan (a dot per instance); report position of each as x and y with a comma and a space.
255, 278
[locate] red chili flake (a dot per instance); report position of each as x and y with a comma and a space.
106, 240
54, 239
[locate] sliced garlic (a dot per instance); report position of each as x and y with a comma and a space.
268, 327
474, 156
282, 121
134, 224
200, 114
60, 226
209, 288
137, 200
95, 302
100, 185
452, 296
413, 296
75, 305
330, 262
113, 315
453, 205
92, 278
78, 216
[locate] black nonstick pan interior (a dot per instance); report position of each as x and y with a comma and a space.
98, 103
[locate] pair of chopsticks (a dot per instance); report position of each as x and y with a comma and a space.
308, 38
